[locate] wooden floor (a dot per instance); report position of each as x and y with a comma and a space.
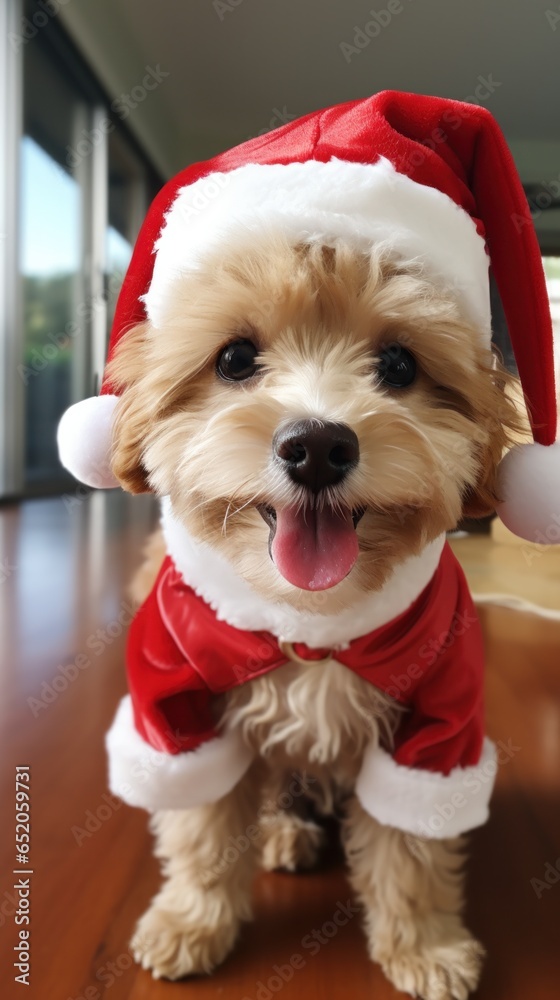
63, 569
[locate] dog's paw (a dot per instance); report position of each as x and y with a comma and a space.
173, 947
437, 972
291, 843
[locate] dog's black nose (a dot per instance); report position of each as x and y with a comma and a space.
316, 454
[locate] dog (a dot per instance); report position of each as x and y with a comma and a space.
300, 367
318, 417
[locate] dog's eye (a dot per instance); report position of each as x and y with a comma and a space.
396, 367
237, 361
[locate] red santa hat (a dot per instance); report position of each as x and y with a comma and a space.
430, 179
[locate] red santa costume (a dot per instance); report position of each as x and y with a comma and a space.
433, 181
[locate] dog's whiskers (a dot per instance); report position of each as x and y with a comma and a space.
231, 513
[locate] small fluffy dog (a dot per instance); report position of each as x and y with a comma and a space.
319, 417
301, 368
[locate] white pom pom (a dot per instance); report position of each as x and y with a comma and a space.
529, 482
84, 439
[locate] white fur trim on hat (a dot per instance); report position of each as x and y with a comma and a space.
84, 440
425, 803
153, 780
365, 203
529, 482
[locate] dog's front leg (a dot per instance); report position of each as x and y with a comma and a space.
291, 839
209, 857
412, 893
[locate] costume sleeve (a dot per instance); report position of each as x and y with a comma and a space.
164, 751
438, 778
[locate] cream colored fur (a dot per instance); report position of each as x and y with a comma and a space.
315, 720
319, 315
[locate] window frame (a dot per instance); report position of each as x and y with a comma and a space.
11, 331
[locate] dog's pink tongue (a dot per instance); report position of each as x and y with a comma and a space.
315, 549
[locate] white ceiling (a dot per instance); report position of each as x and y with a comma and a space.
235, 64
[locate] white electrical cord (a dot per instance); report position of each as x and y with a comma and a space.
517, 604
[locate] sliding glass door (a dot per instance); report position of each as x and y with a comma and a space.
53, 258
74, 189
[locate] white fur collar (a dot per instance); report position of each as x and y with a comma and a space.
234, 601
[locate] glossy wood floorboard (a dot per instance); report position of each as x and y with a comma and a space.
64, 569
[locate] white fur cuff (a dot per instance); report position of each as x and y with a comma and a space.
153, 780
425, 803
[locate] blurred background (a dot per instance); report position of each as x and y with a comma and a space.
101, 101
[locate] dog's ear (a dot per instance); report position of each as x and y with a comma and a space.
126, 373
481, 500
507, 423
